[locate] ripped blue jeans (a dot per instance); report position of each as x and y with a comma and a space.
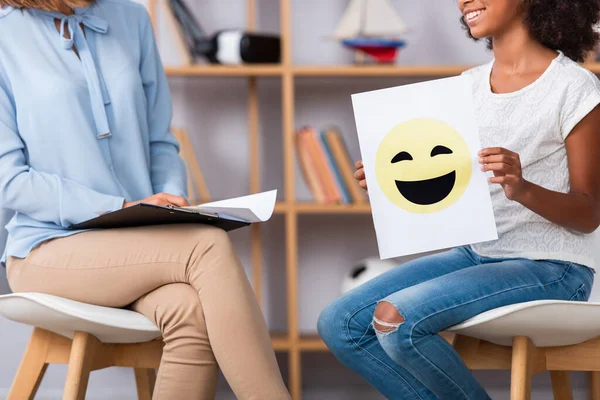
433, 293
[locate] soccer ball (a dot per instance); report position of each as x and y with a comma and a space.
364, 271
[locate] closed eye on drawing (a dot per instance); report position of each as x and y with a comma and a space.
402, 156
437, 150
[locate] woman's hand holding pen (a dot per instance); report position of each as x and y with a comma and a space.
161, 199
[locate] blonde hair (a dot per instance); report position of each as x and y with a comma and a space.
47, 5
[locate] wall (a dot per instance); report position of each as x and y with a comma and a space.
214, 112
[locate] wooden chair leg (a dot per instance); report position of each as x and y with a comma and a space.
32, 367
144, 380
527, 361
561, 385
80, 365
594, 385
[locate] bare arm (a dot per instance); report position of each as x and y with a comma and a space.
579, 209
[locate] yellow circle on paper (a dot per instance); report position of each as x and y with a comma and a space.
423, 166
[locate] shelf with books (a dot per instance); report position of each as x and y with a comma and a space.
327, 167
314, 208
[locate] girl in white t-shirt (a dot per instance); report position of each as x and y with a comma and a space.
539, 121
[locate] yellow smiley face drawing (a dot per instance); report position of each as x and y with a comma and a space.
423, 166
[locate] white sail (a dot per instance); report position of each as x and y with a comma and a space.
370, 18
382, 19
351, 23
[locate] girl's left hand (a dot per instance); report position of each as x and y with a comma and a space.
506, 166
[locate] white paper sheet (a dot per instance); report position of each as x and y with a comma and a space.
253, 208
419, 145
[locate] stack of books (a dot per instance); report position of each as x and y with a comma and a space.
327, 167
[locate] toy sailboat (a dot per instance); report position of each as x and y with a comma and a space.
372, 27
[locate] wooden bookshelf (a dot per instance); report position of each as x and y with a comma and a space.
280, 342
220, 70
410, 71
312, 343
292, 342
312, 208
380, 70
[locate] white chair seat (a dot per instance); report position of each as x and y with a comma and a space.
548, 323
65, 317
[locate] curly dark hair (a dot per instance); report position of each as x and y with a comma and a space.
565, 25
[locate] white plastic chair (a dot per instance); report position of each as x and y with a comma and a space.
84, 336
529, 338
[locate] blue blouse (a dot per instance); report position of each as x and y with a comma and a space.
79, 135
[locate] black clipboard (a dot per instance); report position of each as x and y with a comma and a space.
149, 214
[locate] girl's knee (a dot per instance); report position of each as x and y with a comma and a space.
387, 318
330, 323
326, 320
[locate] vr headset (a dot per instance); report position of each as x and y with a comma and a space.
231, 47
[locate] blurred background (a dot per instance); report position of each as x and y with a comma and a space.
331, 239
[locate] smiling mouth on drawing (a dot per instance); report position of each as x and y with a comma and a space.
429, 191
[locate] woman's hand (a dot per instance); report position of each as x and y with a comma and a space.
161, 199
506, 166
359, 175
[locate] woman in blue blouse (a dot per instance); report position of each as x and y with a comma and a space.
85, 111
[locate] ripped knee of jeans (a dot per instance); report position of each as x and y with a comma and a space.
387, 319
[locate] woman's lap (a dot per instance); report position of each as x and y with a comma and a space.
112, 267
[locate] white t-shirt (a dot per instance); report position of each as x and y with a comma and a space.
534, 122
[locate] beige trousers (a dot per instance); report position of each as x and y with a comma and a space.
188, 280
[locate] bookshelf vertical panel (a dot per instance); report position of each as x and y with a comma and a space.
255, 181
295, 370
254, 140
152, 13
288, 98
251, 15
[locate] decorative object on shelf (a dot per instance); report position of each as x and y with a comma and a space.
327, 167
374, 28
365, 270
232, 47
197, 189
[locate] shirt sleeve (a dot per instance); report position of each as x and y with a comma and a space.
167, 169
582, 96
42, 196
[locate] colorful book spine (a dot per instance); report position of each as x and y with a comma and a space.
341, 186
308, 167
345, 165
325, 174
